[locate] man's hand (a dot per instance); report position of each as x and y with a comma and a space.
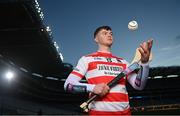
145, 50
101, 89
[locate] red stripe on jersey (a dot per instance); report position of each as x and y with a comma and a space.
95, 54
115, 97
101, 54
77, 74
126, 112
93, 65
104, 79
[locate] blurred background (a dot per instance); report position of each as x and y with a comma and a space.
41, 42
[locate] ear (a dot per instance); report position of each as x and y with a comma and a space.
96, 40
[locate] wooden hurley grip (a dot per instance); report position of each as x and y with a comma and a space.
84, 105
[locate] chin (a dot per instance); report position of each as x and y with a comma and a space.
109, 44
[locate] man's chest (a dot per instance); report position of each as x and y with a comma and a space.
106, 64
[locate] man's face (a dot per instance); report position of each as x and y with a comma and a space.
104, 37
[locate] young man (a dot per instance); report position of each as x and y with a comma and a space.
101, 67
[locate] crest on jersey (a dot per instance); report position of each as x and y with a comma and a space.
109, 59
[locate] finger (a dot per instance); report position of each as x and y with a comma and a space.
141, 52
150, 43
144, 47
105, 92
106, 87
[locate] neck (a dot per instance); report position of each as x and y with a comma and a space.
105, 49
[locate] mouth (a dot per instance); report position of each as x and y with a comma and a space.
110, 39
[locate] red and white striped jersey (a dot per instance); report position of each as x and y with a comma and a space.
102, 67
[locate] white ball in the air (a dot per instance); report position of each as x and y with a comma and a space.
133, 25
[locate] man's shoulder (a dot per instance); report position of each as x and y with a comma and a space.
84, 57
119, 58
97, 54
94, 54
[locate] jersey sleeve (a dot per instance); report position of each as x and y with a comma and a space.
138, 80
76, 75
80, 69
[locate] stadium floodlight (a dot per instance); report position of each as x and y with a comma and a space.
48, 29
9, 75
61, 56
57, 48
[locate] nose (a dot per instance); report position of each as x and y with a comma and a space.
109, 35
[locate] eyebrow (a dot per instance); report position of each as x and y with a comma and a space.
107, 31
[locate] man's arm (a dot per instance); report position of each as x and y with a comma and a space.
138, 80
73, 84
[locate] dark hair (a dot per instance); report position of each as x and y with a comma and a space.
100, 28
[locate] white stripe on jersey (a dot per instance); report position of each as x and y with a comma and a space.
102, 59
109, 106
96, 73
119, 89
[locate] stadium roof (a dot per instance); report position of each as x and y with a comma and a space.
26, 41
